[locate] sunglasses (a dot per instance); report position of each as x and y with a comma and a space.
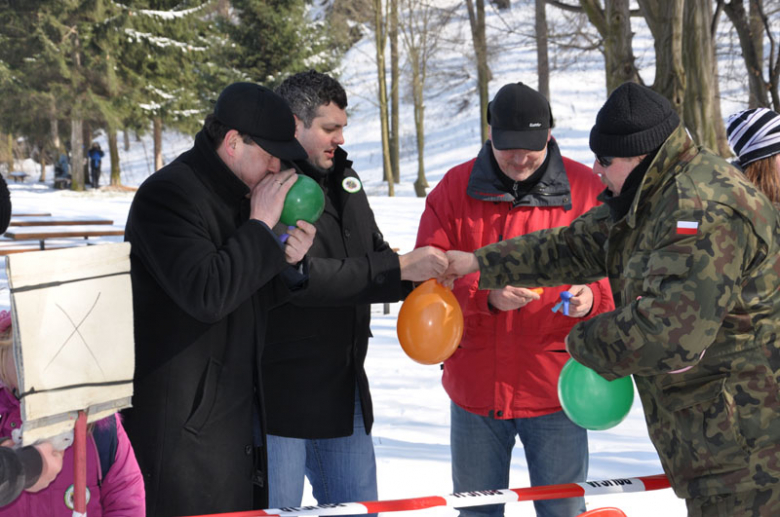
604, 161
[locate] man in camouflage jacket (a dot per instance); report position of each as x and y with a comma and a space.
692, 252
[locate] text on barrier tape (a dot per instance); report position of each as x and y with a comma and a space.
466, 499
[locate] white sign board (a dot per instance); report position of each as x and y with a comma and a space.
73, 335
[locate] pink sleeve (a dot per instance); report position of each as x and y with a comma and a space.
122, 493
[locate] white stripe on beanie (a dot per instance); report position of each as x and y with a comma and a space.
754, 134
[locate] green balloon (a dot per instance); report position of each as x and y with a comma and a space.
305, 200
591, 401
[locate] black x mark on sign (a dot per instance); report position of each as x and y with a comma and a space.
77, 332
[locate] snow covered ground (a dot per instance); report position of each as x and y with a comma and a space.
411, 433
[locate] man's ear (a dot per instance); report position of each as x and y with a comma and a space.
299, 126
231, 138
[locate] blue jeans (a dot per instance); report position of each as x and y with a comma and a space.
556, 451
340, 470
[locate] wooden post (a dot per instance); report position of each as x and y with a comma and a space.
80, 466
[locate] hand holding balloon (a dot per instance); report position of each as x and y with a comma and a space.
267, 196
563, 305
430, 323
581, 301
298, 241
422, 264
510, 298
460, 263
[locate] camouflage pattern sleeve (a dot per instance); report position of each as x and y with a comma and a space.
573, 254
673, 293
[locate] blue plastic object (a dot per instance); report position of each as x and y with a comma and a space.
565, 297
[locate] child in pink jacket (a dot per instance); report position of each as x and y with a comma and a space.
115, 485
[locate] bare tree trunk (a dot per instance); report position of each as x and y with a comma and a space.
76, 126
382, 95
699, 109
757, 31
542, 58
723, 145
621, 67
157, 135
614, 25
421, 184
752, 51
665, 20
395, 78
42, 159
10, 152
77, 154
477, 23
773, 61
113, 151
126, 137
54, 126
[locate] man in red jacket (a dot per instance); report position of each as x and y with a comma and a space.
503, 378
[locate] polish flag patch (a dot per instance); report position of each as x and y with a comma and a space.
687, 227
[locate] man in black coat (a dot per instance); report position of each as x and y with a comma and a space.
317, 400
205, 266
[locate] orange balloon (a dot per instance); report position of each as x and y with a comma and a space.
430, 323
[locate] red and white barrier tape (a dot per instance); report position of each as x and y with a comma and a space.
465, 499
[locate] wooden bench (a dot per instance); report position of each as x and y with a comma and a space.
29, 220
30, 214
8, 246
17, 176
44, 233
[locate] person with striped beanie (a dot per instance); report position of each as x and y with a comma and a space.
754, 136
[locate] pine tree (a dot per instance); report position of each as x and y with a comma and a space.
273, 38
43, 48
166, 54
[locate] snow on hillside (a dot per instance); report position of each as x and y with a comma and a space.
412, 411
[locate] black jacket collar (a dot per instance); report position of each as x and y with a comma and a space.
553, 189
210, 168
340, 165
331, 180
620, 204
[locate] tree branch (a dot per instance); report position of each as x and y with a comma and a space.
565, 6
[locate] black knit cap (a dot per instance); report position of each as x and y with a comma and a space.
634, 121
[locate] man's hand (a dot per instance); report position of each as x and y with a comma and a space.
422, 264
510, 298
581, 301
299, 241
267, 197
52, 465
460, 263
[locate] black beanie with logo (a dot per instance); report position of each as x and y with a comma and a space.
634, 121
